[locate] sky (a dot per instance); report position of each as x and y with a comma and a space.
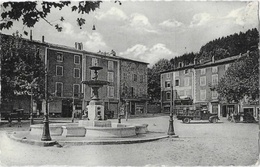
148, 30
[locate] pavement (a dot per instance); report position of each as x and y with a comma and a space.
200, 143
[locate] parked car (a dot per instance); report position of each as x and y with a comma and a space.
187, 115
15, 114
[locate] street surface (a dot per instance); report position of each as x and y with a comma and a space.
199, 144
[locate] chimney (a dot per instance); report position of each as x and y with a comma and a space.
195, 61
42, 39
31, 35
80, 46
76, 45
213, 59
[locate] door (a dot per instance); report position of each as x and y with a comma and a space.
224, 111
66, 108
132, 108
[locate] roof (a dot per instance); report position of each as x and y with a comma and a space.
221, 61
208, 63
76, 50
178, 69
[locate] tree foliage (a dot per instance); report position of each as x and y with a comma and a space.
22, 69
241, 79
154, 89
231, 45
31, 12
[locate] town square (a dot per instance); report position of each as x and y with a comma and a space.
129, 83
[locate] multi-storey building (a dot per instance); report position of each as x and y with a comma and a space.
133, 85
69, 66
195, 82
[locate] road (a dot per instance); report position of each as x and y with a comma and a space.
199, 144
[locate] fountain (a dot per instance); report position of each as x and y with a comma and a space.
95, 125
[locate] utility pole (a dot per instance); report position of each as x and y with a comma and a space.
171, 128
46, 130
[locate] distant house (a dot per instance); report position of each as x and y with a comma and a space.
194, 83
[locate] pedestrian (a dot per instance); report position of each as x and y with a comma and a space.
19, 121
10, 121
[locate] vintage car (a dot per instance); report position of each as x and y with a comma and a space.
187, 115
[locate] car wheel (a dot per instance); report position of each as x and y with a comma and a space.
214, 120
186, 120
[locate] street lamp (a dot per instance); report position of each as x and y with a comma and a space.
171, 128
46, 130
31, 114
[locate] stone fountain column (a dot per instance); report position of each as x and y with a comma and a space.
96, 114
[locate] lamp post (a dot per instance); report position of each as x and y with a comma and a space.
46, 130
171, 128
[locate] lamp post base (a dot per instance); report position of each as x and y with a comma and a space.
171, 128
31, 119
46, 130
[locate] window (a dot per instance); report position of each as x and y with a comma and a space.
202, 94
110, 76
215, 79
134, 77
132, 91
202, 71
124, 76
76, 90
110, 65
181, 93
226, 66
76, 59
76, 73
168, 95
215, 69
177, 82
168, 75
94, 62
187, 92
110, 91
59, 57
59, 70
177, 73
203, 81
186, 71
167, 84
214, 94
186, 81
141, 78
59, 89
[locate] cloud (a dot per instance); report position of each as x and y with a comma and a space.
200, 19
150, 55
140, 23
171, 23
113, 13
245, 15
92, 41
95, 43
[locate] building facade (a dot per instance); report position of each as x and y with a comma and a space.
133, 86
69, 66
195, 82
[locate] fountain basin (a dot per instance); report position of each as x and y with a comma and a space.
73, 131
94, 129
55, 129
111, 132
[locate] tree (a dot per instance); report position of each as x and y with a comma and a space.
22, 69
241, 79
154, 89
31, 12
